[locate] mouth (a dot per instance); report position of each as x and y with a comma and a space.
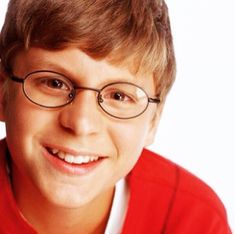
73, 159
71, 162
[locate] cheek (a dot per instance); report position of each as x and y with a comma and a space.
129, 139
26, 124
131, 136
24, 121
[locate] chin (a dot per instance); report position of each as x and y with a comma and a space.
68, 197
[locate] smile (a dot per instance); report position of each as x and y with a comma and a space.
72, 159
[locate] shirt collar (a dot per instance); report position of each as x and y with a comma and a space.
119, 208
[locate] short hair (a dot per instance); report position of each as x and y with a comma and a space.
118, 30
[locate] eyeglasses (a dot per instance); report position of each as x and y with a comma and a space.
49, 89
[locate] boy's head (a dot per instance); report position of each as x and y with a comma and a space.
69, 55
130, 32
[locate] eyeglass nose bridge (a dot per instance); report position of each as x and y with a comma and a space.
76, 89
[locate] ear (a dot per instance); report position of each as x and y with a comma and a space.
154, 125
2, 95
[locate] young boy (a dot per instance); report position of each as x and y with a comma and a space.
83, 84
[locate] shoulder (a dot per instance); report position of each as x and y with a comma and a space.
9, 214
156, 169
184, 199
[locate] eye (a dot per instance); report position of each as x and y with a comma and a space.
116, 95
54, 83
119, 96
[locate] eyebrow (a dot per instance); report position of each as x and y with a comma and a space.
43, 64
38, 63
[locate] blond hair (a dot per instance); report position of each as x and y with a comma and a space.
118, 29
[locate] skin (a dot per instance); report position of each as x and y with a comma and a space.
51, 200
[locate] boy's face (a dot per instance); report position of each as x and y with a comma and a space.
80, 128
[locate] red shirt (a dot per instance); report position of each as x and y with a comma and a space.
164, 199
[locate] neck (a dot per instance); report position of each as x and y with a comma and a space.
49, 218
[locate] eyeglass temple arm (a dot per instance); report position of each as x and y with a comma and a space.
17, 79
154, 100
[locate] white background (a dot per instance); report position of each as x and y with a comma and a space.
197, 129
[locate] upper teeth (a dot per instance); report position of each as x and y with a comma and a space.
74, 159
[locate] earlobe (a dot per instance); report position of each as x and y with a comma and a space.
152, 132
153, 126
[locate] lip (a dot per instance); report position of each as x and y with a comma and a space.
70, 150
68, 168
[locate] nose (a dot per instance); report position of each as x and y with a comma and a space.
82, 116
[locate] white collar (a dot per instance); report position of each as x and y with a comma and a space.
119, 208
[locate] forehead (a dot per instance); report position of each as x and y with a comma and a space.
72, 62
